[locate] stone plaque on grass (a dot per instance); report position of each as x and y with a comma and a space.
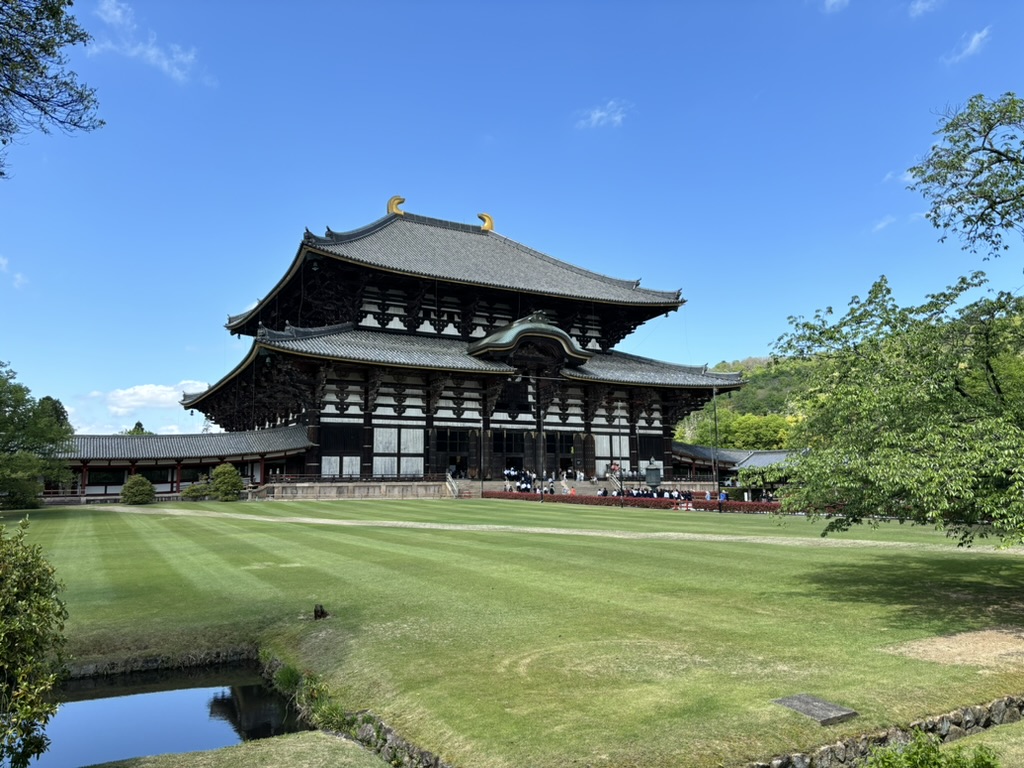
825, 712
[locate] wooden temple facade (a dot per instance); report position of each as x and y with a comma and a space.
415, 346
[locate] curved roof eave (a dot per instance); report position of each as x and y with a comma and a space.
621, 368
190, 399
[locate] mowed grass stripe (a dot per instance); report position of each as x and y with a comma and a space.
510, 647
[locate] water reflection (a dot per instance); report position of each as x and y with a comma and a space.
109, 719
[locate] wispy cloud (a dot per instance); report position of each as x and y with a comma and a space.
904, 176
883, 223
173, 60
613, 113
921, 7
124, 401
834, 6
18, 279
969, 46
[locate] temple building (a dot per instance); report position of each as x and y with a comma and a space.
414, 346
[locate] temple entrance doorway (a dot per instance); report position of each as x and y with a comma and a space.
559, 456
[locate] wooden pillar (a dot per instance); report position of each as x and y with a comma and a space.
366, 457
177, 476
486, 446
667, 434
634, 447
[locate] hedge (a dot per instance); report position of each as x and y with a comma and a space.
638, 502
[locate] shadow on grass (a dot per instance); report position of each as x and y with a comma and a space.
944, 593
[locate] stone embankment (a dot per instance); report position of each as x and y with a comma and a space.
951, 726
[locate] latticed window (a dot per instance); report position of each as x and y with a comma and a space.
453, 441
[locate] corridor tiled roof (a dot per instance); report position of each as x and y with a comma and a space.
195, 446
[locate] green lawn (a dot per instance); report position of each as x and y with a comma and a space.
499, 633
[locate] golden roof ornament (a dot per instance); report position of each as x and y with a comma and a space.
488, 222
393, 204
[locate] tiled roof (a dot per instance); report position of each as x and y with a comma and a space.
708, 453
739, 459
622, 368
199, 446
763, 459
344, 342
421, 246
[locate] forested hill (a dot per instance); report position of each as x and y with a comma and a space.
755, 418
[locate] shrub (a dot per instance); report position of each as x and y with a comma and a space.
198, 491
923, 752
226, 483
137, 490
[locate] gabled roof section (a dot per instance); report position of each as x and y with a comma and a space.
214, 445
419, 246
505, 339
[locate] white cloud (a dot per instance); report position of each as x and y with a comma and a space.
921, 7
883, 223
117, 14
905, 176
173, 60
834, 6
124, 401
969, 46
20, 281
612, 113
3, 263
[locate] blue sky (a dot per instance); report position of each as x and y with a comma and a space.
751, 153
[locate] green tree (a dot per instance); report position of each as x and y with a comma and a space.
138, 429
227, 482
137, 490
56, 410
32, 618
974, 178
914, 413
32, 436
37, 90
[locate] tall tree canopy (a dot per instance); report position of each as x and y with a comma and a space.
914, 413
974, 178
31, 436
138, 429
37, 90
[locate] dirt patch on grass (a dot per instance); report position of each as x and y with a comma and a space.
989, 648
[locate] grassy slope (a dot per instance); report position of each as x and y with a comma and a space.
498, 648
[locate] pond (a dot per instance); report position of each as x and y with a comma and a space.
107, 719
